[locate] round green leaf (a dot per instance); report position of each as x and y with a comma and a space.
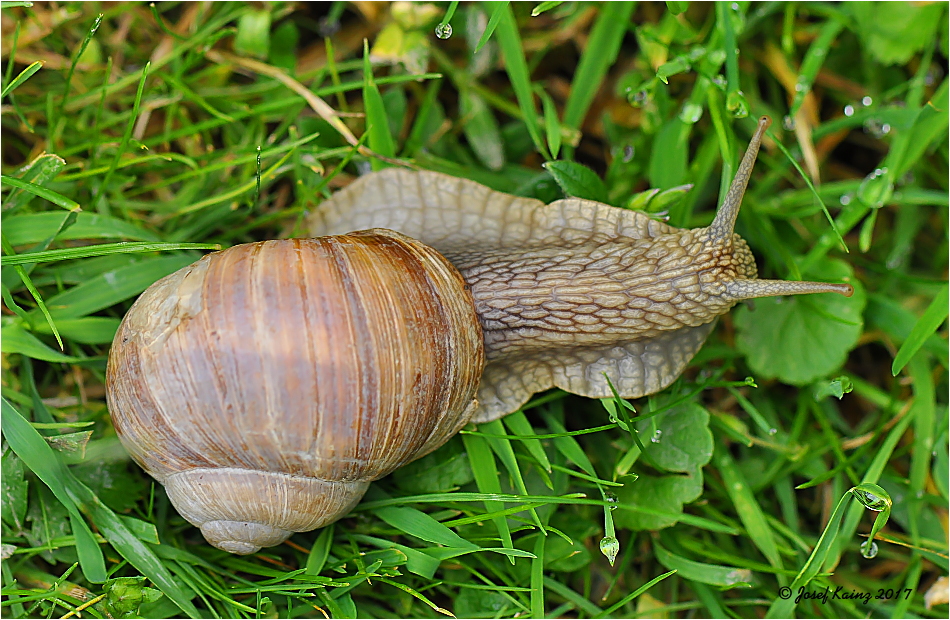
802, 338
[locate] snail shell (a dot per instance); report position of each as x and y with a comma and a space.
267, 385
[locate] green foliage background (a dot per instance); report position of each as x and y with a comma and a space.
135, 137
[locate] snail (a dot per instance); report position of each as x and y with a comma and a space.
576, 292
267, 385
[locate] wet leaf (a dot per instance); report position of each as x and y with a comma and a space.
802, 338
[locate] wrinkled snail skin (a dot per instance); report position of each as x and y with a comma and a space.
573, 291
265, 386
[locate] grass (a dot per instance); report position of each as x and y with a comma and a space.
134, 137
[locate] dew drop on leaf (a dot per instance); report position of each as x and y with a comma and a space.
657, 435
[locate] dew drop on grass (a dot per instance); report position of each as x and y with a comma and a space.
443, 30
638, 98
773, 431
736, 104
612, 499
628, 153
870, 500
610, 547
849, 110
788, 123
869, 549
866, 101
691, 113
657, 435
846, 199
876, 189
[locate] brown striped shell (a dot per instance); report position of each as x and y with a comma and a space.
267, 385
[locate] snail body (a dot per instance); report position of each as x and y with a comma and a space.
267, 385
576, 292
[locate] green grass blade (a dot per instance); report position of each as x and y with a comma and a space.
814, 58
933, 317
131, 247
22, 77
510, 43
419, 524
712, 574
486, 477
37, 190
40, 458
377, 123
599, 55
748, 509
124, 143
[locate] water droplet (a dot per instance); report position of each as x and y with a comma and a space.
628, 153
876, 189
800, 86
846, 199
443, 30
869, 549
788, 123
657, 435
849, 110
870, 500
612, 499
737, 104
720, 81
691, 113
735, 6
610, 547
773, 431
639, 98
866, 101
